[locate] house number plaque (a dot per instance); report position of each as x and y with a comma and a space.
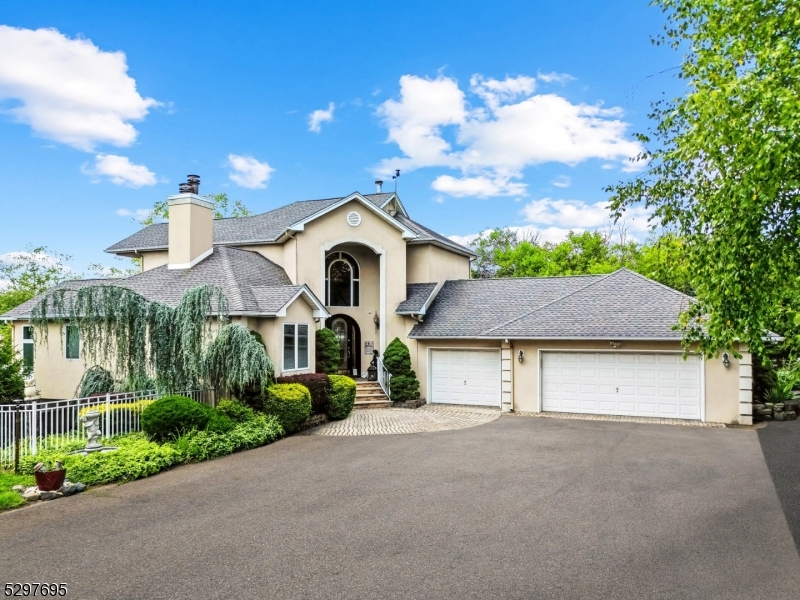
368, 348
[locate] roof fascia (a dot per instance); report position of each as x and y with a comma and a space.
318, 309
550, 338
300, 225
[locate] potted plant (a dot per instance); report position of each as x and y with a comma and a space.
49, 481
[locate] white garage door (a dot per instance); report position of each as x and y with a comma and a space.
621, 383
465, 377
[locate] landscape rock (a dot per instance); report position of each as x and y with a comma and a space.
19, 488
30, 496
49, 495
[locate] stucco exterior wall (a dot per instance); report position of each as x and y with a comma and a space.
190, 231
374, 234
151, 260
271, 330
428, 263
57, 377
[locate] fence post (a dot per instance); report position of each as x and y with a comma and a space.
107, 424
34, 428
17, 433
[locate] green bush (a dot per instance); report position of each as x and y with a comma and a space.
219, 423
396, 358
319, 386
95, 381
202, 445
327, 351
236, 411
290, 403
136, 457
11, 385
171, 416
343, 396
404, 387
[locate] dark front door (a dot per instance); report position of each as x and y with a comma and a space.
349, 336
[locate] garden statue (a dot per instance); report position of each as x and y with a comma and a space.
91, 423
31, 392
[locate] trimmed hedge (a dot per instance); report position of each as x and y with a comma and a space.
235, 411
290, 403
319, 386
343, 396
326, 351
197, 446
403, 385
171, 416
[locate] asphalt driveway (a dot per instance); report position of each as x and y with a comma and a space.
517, 508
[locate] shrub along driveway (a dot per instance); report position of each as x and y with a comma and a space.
516, 508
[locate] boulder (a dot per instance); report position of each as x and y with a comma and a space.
49, 495
19, 488
30, 496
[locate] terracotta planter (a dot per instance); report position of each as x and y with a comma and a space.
51, 481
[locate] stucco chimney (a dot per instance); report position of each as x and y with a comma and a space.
190, 226
378, 185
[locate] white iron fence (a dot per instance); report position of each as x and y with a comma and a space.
54, 424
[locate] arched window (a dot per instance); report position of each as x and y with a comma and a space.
341, 280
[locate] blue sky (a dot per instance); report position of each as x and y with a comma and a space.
498, 114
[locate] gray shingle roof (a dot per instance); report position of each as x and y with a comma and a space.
250, 282
417, 295
266, 227
616, 306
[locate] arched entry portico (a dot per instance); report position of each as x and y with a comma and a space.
349, 335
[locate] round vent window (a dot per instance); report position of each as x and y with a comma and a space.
353, 219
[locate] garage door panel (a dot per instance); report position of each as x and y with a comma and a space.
624, 383
466, 377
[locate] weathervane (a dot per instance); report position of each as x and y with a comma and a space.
396, 176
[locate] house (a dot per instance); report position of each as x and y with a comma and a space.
360, 265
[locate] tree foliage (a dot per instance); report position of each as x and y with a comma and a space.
222, 209
723, 166
11, 384
236, 360
327, 351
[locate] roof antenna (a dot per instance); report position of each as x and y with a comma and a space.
396, 176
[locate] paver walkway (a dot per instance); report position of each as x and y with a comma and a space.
383, 421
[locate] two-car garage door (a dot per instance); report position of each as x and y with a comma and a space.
622, 383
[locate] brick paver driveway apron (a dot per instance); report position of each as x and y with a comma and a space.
385, 421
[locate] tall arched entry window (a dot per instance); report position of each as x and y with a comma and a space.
341, 280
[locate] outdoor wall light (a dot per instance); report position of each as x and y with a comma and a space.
377, 320
726, 360
521, 355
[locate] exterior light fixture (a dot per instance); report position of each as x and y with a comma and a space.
726, 360
521, 355
377, 320
615, 344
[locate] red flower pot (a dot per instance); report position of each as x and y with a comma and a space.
51, 481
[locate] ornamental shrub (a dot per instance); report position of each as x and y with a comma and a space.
95, 381
11, 385
327, 351
219, 423
404, 387
319, 386
290, 403
396, 358
236, 411
196, 446
171, 416
343, 396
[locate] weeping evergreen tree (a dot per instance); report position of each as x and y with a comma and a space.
137, 338
237, 360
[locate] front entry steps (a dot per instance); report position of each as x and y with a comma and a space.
370, 395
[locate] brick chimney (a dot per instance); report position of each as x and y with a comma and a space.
190, 226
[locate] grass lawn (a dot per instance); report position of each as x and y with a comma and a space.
8, 497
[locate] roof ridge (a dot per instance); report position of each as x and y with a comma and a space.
673, 290
529, 313
230, 277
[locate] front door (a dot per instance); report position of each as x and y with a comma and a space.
348, 334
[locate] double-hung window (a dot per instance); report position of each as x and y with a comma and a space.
27, 349
73, 342
295, 346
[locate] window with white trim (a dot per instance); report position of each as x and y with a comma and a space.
72, 348
342, 280
27, 349
295, 346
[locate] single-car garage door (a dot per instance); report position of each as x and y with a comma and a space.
622, 383
465, 377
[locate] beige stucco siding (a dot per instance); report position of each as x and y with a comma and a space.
57, 377
429, 263
151, 260
190, 232
271, 330
274, 252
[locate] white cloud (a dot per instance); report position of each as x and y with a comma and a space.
554, 77
318, 117
562, 181
464, 240
69, 90
249, 172
577, 215
434, 125
478, 187
120, 170
439, 199
139, 213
